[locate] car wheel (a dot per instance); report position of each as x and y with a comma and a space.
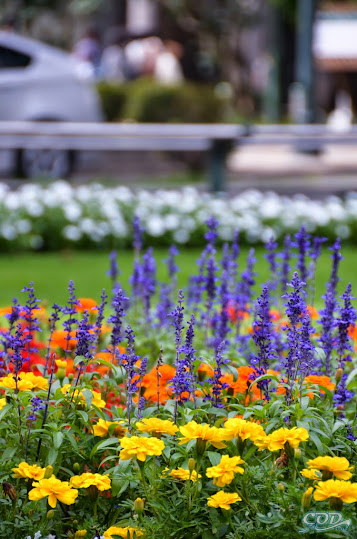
49, 164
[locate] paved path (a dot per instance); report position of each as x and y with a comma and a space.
277, 168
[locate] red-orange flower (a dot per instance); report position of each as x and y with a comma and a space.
86, 304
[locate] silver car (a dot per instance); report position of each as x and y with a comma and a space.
40, 82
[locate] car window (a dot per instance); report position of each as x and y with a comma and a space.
13, 59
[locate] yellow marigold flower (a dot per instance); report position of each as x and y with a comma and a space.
311, 474
183, 475
334, 488
102, 428
237, 427
338, 466
262, 442
2, 403
223, 473
67, 389
194, 431
55, 490
28, 471
102, 482
97, 400
61, 364
223, 499
80, 533
26, 381
157, 426
122, 532
140, 447
293, 437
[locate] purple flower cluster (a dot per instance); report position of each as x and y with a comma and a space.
32, 323
71, 311
138, 231
216, 382
271, 256
327, 315
117, 320
182, 383
148, 280
36, 405
85, 338
295, 309
128, 361
262, 336
303, 245
343, 322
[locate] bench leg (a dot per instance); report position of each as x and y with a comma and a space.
217, 165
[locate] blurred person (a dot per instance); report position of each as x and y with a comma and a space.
168, 69
88, 48
113, 63
141, 55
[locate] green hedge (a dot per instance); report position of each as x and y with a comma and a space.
144, 100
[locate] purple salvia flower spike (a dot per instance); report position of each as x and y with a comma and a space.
347, 318
117, 320
327, 315
138, 231
32, 323
71, 310
271, 256
302, 244
262, 336
295, 308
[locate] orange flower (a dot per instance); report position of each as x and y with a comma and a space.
313, 312
149, 383
205, 371
86, 304
324, 381
352, 332
274, 314
59, 339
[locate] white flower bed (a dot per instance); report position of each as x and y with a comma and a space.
53, 217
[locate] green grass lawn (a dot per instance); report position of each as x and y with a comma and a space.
51, 272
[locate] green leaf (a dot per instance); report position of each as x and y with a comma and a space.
83, 415
57, 439
214, 458
103, 444
338, 425
265, 377
79, 359
351, 376
72, 440
102, 362
9, 453
314, 438
119, 485
52, 456
88, 395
